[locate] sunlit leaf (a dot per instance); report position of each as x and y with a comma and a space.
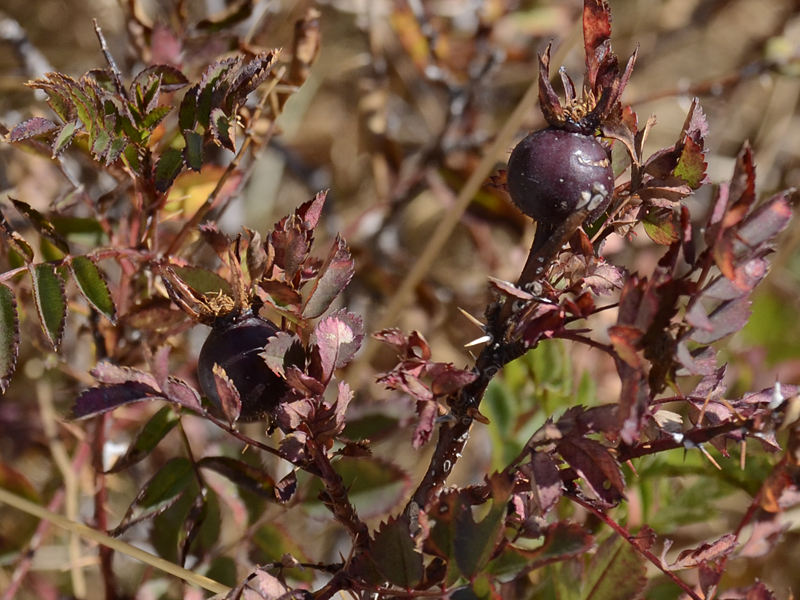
335, 274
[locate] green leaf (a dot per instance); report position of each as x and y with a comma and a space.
616, 572
159, 493
659, 224
207, 90
203, 281
101, 143
115, 150
43, 226
172, 79
167, 169
246, 476
92, 285
395, 555
65, 137
691, 164
155, 116
475, 542
334, 275
9, 336
15, 240
149, 436
223, 129
50, 300
188, 109
130, 156
193, 152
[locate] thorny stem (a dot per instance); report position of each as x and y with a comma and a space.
631, 539
337, 501
454, 432
694, 436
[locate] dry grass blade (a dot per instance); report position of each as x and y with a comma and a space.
116, 545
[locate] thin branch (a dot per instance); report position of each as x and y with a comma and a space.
631, 539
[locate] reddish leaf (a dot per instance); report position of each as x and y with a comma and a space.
171, 79
183, 394
596, 36
393, 552
286, 488
447, 379
768, 529
110, 374
269, 587
31, 128
96, 401
337, 341
595, 465
726, 319
282, 350
228, 395
705, 552
303, 383
545, 481
334, 275
427, 411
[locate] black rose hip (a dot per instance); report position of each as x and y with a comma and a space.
235, 346
553, 172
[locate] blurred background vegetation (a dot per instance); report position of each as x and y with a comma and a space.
394, 125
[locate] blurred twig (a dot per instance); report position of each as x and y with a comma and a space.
44, 394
